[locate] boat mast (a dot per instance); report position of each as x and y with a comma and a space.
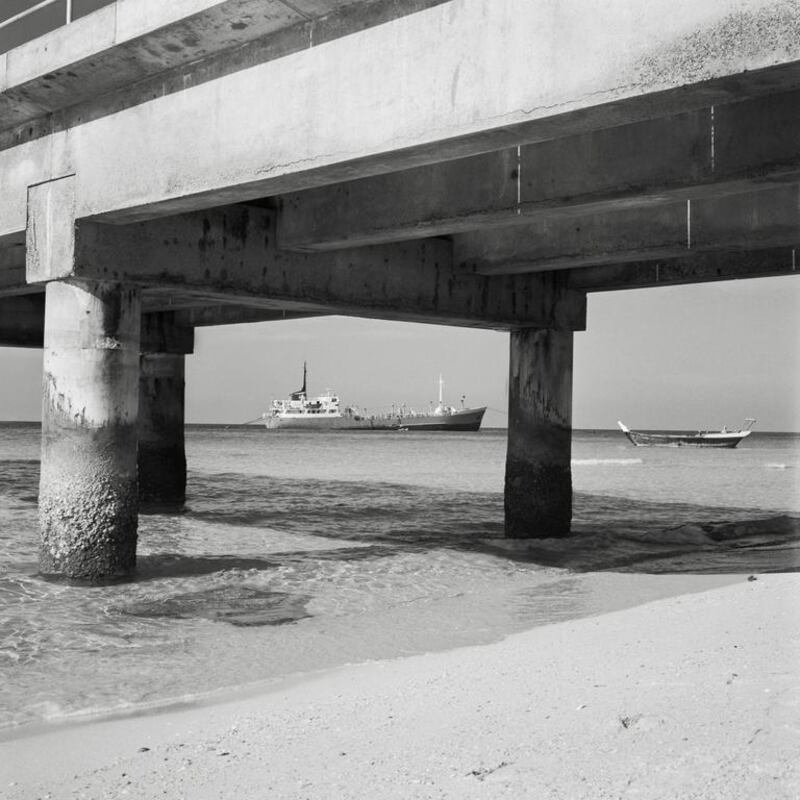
441, 386
304, 378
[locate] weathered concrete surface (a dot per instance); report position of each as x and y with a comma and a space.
698, 267
162, 453
161, 332
752, 220
88, 496
460, 78
697, 155
52, 86
12, 267
232, 252
50, 232
538, 484
22, 321
233, 314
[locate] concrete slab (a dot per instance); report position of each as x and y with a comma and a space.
460, 78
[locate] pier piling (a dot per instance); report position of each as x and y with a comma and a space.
538, 484
162, 455
88, 496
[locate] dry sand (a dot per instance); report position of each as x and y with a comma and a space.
690, 697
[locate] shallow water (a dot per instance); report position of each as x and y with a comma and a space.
299, 552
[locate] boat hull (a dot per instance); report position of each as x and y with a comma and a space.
686, 440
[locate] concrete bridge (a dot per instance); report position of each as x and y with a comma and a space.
165, 166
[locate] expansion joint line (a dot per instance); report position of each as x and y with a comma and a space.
713, 136
688, 224
310, 19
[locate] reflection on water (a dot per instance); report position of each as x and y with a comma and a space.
279, 567
238, 605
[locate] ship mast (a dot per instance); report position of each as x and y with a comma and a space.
441, 386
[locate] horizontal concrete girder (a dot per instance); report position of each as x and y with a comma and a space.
210, 316
22, 325
698, 267
702, 154
752, 220
162, 332
22, 320
231, 253
50, 83
461, 78
12, 271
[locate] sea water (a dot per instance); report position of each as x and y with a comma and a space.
298, 552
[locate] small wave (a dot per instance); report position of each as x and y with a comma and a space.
592, 462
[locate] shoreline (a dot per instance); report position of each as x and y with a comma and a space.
606, 591
695, 691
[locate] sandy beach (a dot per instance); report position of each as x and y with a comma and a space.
695, 696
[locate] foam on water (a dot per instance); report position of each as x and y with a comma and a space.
302, 552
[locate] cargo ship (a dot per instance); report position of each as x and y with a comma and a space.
324, 412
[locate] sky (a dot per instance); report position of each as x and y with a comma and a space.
698, 356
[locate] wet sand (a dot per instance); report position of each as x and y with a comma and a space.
695, 696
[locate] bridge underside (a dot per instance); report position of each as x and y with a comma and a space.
356, 161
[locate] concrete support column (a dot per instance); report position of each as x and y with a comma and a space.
162, 456
538, 486
88, 496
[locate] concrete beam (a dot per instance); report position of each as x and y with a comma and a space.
695, 268
22, 325
52, 83
161, 332
12, 269
22, 321
461, 78
231, 253
703, 154
765, 218
233, 315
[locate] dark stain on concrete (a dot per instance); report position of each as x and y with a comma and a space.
240, 226
205, 242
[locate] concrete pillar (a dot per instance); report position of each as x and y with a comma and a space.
162, 456
538, 486
88, 496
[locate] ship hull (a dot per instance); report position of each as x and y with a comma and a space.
467, 420
312, 423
